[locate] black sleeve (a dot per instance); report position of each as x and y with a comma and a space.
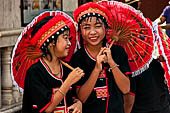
77, 61
120, 57
37, 87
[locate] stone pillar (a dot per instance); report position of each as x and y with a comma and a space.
7, 97
0, 79
10, 14
70, 6
16, 95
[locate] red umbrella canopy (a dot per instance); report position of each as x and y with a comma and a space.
133, 32
28, 49
163, 44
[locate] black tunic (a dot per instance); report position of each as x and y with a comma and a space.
40, 86
106, 96
150, 90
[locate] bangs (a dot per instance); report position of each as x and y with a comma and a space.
89, 19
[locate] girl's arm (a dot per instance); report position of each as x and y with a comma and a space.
85, 90
76, 107
121, 80
73, 77
128, 102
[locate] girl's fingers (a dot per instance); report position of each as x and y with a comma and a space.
101, 51
69, 108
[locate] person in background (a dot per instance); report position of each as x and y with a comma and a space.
167, 26
148, 90
165, 17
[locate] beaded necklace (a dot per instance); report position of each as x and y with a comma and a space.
57, 75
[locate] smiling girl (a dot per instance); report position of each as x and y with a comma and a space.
104, 81
48, 82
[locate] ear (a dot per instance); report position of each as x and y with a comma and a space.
51, 44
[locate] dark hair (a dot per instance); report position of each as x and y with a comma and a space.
134, 4
89, 15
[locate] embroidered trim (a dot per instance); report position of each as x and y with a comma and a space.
50, 32
52, 73
91, 57
91, 10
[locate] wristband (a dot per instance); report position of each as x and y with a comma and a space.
115, 65
75, 100
61, 92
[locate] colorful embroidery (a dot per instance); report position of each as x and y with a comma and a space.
102, 74
59, 110
101, 92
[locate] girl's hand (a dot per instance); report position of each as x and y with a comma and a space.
75, 75
100, 58
75, 108
108, 54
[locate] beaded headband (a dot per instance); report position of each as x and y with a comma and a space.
91, 9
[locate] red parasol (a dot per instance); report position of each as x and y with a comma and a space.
26, 53
163, 44
133, 32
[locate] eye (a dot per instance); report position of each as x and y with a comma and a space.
98, 25
86, 27
66, 36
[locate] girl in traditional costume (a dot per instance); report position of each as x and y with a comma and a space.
105, 79
48, 83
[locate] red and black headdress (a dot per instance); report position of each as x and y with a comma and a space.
91, 9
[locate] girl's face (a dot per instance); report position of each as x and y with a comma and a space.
92, 31
62, 45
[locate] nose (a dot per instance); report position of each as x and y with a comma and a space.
93, 31
68, 43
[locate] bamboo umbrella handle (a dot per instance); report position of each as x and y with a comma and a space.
70, 67
111, 44
67, 65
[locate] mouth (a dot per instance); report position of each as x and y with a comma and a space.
93, 39
67, 49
